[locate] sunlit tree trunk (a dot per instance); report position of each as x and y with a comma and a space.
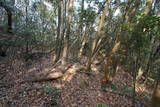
64, 24
81, 30
99, 35
82, 47
127, 19
67, 37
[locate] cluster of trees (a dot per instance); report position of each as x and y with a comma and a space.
125, 31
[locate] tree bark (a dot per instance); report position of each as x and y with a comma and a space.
139, 28
9, 14
127, 19
66, 39
99, 35
81, 30
9, 27
59, 30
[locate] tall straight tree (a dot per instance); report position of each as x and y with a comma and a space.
99, 34
9, 26
67, 37
59, 30
26, 19
81, 29
81, 17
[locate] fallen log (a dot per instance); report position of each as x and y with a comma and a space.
46, 77
54, 75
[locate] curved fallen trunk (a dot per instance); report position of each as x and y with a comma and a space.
45, 77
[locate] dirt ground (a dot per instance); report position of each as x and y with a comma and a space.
75, 90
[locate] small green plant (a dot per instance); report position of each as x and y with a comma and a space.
52, 92
101, 105
57, 92
114, 87
111, 87
127, 89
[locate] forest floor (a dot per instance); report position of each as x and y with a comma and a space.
74, 90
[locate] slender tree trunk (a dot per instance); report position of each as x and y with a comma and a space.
8, 28
66, 39
139, 28
81, 30
127, 19
84, 40
99, 35
27, 39
64, 23
134, 80
9, 13
81, 17
144, 70
58, 38
82, 48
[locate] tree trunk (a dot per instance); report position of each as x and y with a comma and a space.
82, 48
66, 39
99, 35
9, 14
26, 37
139, 28
59, 30
127, 19
81, 17
144, 70
81, 30
9, 27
